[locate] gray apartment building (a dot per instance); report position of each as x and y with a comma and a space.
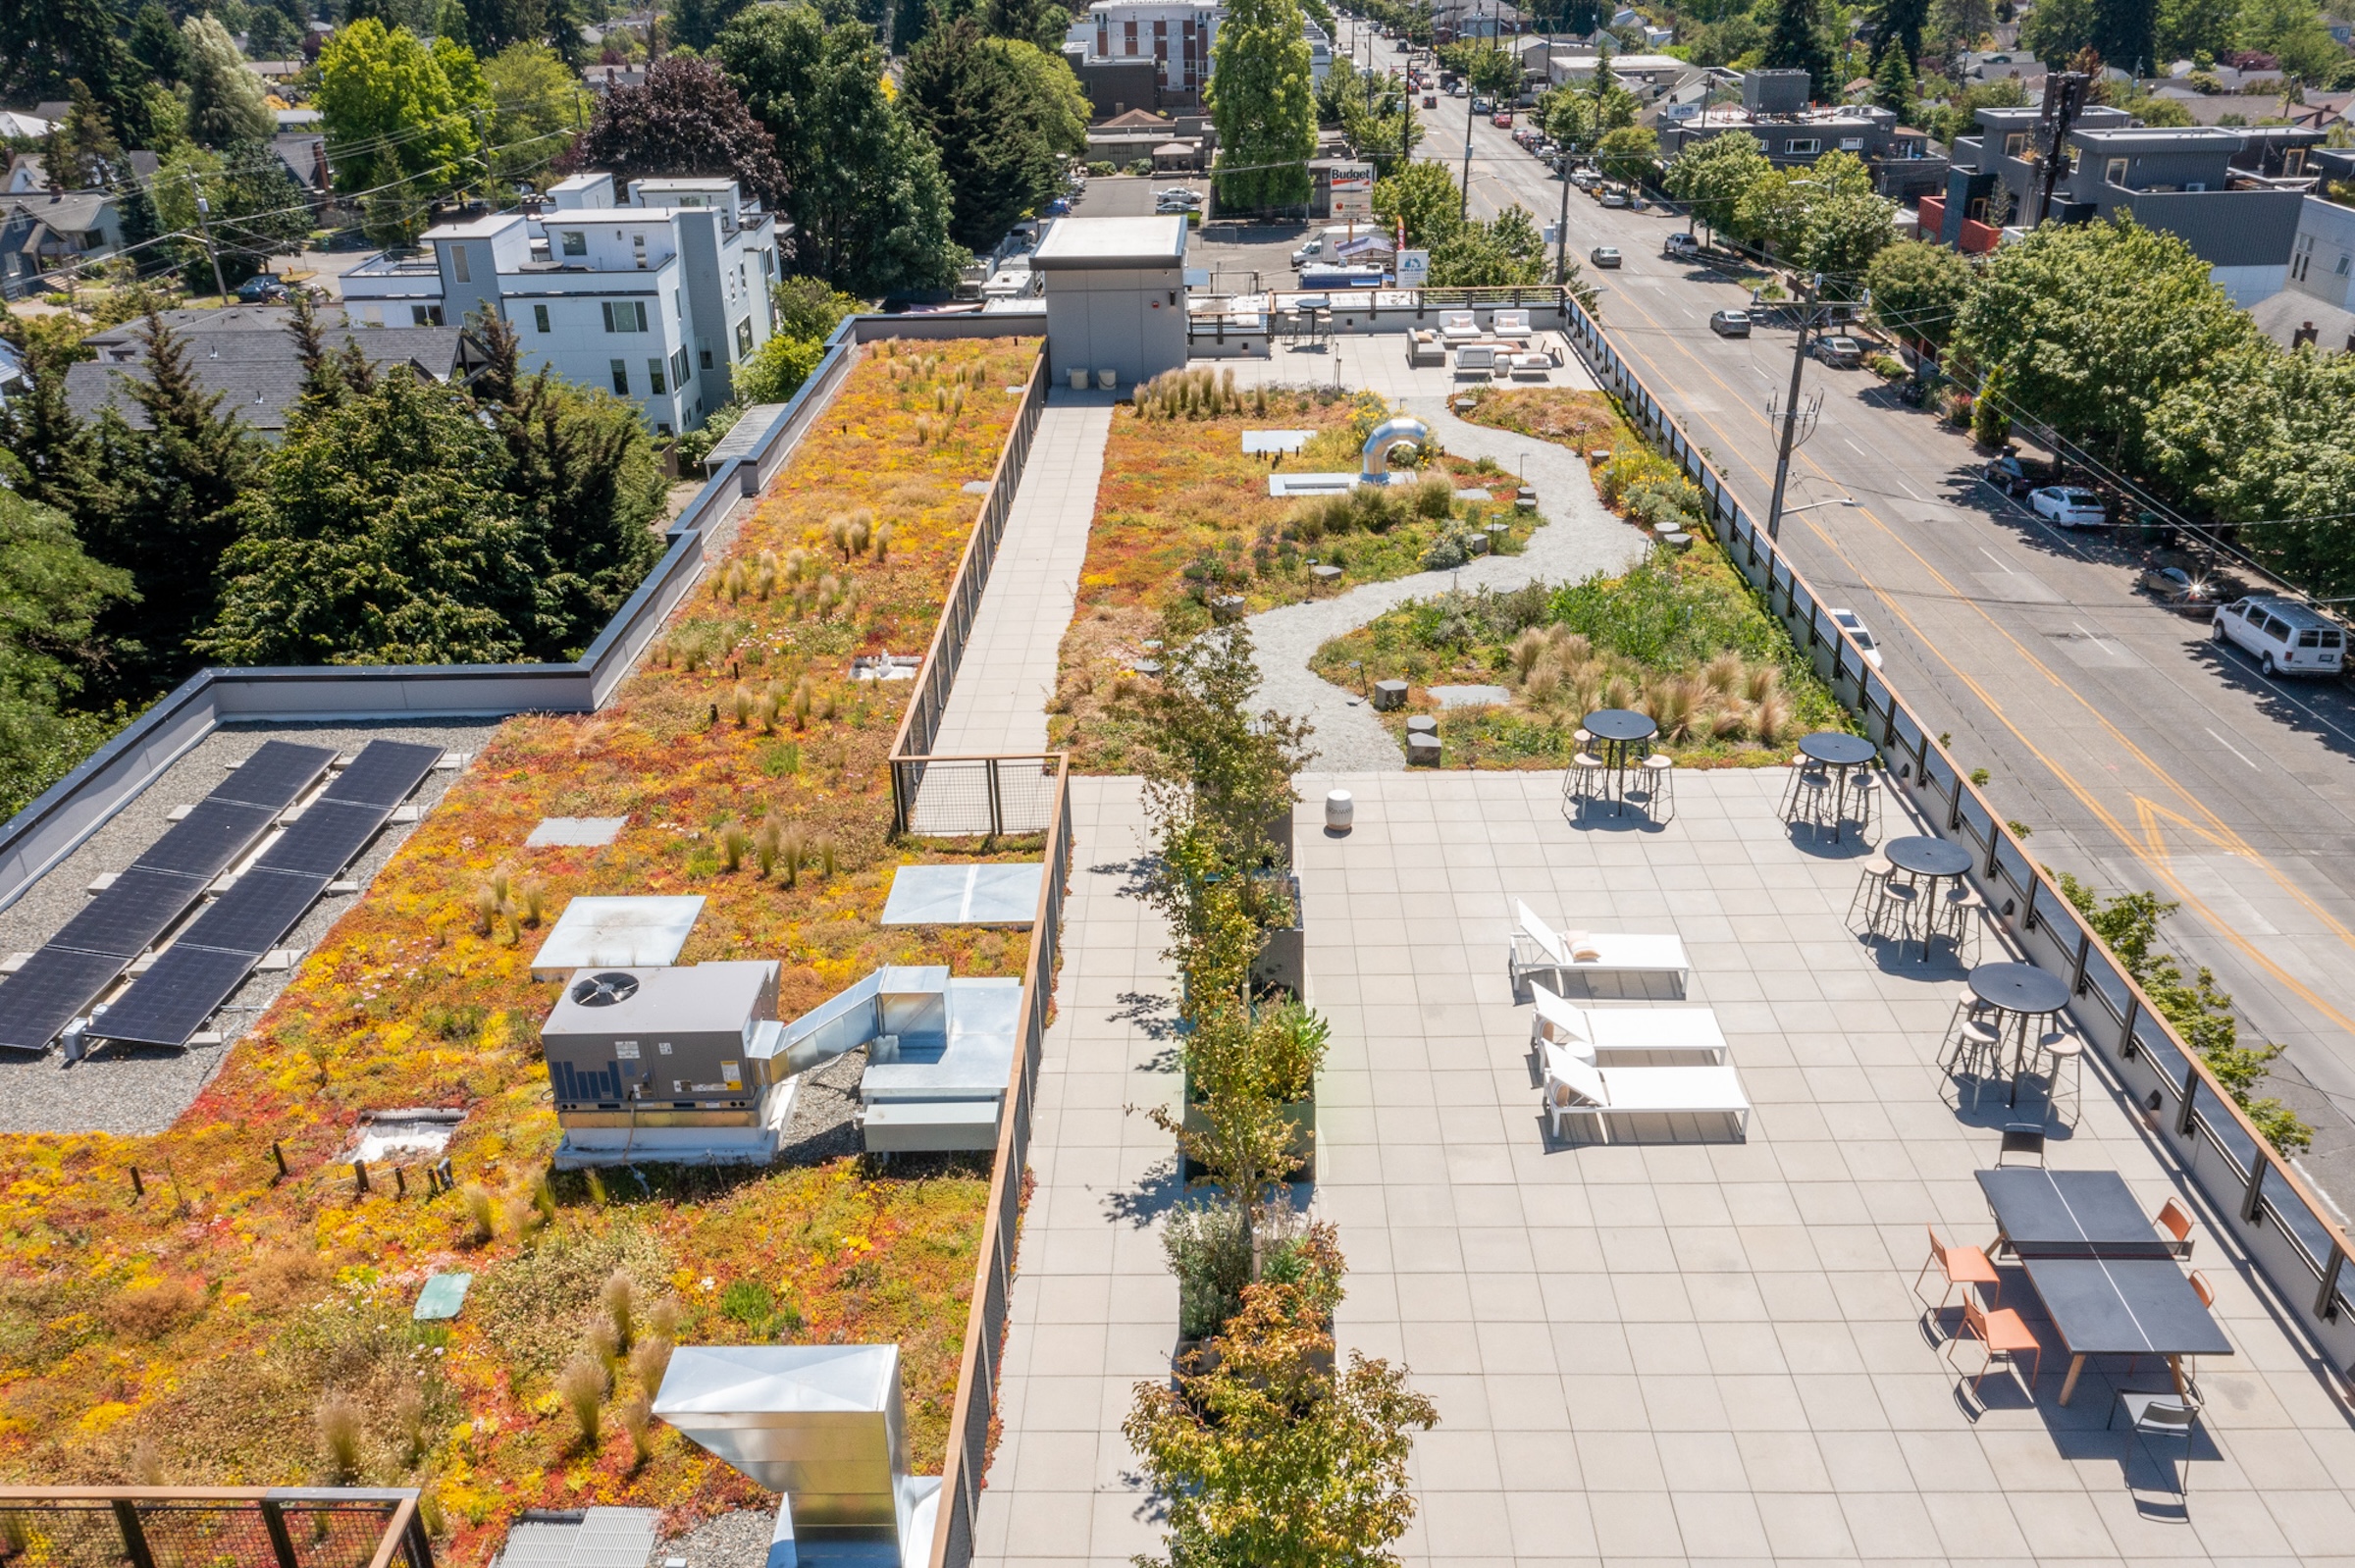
1774, 109
2232, 196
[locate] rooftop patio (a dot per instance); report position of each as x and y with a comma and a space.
1679, 1346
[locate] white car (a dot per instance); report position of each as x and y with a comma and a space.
2068, 506
1853, 624
1308, 252
2285, 638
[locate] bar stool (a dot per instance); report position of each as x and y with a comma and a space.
1811, 796
1866, 787
1870, 884
1959, 907
1659, 786
2064, 1054
1975, 1045
1587, 778
1901, 898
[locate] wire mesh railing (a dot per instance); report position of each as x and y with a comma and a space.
974, 1422
2283, 1224
171, 1527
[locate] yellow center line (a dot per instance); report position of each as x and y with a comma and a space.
2151, 851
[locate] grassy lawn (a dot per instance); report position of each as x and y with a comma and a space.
1184, 516
1679, 636
198, 1334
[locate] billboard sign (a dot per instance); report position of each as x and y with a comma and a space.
1413, 269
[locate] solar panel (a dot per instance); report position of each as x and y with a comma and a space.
383, 773
129, 916
205, 842
53, 988
251, 916
171, 1000
323, 840
274, 774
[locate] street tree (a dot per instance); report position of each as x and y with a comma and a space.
862, 183
1506, 252
1714, 175
1263, 103
1422, 197
1630, 153
2266, 436
2092, 324
684, 119
1917, 291
403, 121
227, 103
539, 106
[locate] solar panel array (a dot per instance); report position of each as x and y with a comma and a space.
197, 973
59, 982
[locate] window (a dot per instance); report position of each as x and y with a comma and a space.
744, 337
703, 352
457, 263
2195, 184
2016, 144
540, 317
2114, 170
678, 367
621, 378
1804, 144
2310, 638
425, 315
1128, 36
653, 378
678, 305
2293, 162
1852, 144
573, 241
625, 315
2342, 268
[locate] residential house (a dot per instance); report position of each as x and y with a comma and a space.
2321, 253
601, 80
247, 355
658, 299
44, 230
20, 126
1774, 109
2180, 179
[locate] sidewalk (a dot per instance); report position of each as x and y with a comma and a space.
999, 705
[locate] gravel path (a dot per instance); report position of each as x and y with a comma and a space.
1579, 538
134, 1090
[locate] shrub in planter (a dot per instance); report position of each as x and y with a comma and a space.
1209, 1248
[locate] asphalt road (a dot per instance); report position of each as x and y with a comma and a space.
2140, 753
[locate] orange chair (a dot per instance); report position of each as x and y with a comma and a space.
2005, 1333
1961, 1266
2176, 1220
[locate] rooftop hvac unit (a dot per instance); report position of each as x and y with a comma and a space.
665, 1063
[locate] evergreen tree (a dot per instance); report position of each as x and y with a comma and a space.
81, 152
1263, 101
865, 186
180, 478
1893, 85
58, 462
697, 24
227, 103
1898, 23
2125, 32
50, 595
44, 44
1006, 119
1795, 42
155, 44
380, 535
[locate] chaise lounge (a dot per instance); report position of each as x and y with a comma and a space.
1573, 1088
1587, 1033
1535, 946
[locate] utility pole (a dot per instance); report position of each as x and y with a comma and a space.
1561, 225
204, 227
2065, 93
1463, 211
1799, 360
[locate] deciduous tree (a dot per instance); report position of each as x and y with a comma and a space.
540, 107
1424, 197
1919, 289
1262, 100
684, 119
256, 211
403, 121
1715, 174
227, 103
2263, 436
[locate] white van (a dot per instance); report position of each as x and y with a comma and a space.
2286, 638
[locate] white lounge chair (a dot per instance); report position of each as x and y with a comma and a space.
1589, 1033
1459, 326
1511, 323
1476, 360
1573, 1088
1531, 367
1535, 946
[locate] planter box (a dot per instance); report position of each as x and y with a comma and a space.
1205, 1359
1301, 1113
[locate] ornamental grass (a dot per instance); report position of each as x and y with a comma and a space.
231, 1328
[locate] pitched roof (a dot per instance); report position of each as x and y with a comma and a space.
1135, 119
70, 212
254, 367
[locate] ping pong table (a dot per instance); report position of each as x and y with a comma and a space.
2104, 1274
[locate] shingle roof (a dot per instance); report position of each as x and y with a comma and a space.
256, 371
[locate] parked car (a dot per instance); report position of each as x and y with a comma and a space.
1604, 255
1502, 120
263, 287
1058, 207
2068, 506
1840, 352
2286, 638
2016, 475
1615, 199
1308, 252
1681, 246
1182, 195
1853, 624
2177, 589
1730, 323
1480, 106
1583, 178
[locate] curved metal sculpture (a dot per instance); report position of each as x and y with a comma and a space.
1403, 429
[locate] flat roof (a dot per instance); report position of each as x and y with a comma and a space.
476, 228
1082, 243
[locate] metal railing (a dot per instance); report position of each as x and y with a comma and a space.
2269, 1207
218, 1527
973, 1419
972, 792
